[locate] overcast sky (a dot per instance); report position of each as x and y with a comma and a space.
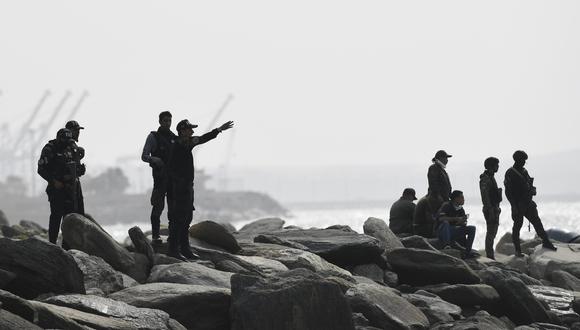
314, 82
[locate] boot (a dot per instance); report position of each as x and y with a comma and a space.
184, 246
173, 244
518, 248
548, 245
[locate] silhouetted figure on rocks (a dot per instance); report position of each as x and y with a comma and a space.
424, 216
156, 152
401, 213
60, 166
181, 173
439, 183
491, 197
520, 191
452, 225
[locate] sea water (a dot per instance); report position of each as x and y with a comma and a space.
561, 215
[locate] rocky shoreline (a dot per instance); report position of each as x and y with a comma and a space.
267, 276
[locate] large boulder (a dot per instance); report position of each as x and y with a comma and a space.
138, 318
372, 271
543, 262
435, 309
142, 244
271, 239
559, 300
505, 245
190, 273
11, 321
298, 299
194, 306
491, 275
378, 229
422, 267
97, 273
263, 226
417, 242
385, 308
565, 280
6, 277
40, 267
480, 321
87, 236
18, 306
342, 248
216, 234
467, 294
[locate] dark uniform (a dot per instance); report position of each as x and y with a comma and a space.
181, 174
490, 197
401, 216
158, 144
519, 190
60, 161
438, 179
424, 216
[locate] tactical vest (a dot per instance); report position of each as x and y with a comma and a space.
164, 144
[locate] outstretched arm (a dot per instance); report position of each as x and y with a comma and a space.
213, 134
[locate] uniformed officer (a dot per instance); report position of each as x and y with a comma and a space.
491, 197
75, 128
59, 165
181, 174
156, 153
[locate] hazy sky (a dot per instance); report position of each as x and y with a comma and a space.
314, 82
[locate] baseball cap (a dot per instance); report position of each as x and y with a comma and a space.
409, 192
73, 124
442, 153
185, 124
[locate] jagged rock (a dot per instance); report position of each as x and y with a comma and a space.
97, 273
492, 274
266, 266
137, 318
565, 280
559, 300
85, 235
517, 300
12, 321
271, 239
378, 229
15, 231
480, 321
40, 267
190, 273
303, 300
358, 319
293, 258
336, 246
540, 326
163, 259
215, 234
3, 219
372, 271
417, 242
505, 245
543, 261
435, 309
343, 228
52, 316
33, 228
141, 244
467, 295
229, 263
6, 277
263, 226
519, 263
422, 267
18, 306
194, 306
384, 308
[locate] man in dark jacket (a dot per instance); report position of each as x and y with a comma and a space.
401, 213
520, 191
424, 216
181, 173
156, 153
439, 183
490, 197
452, 225
59, 165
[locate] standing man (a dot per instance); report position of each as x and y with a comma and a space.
520, 190
452, 225
490, 197
439, 184
75, 129
401, 213
58, 165
181, 174
156, 152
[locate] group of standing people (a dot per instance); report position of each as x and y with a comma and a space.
440, 213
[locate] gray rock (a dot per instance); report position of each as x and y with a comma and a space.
384, 308
417, 242
467, 294
559, 300
505, 245
267, 266
302, 299
435, 309
15, 231
543, 262
190, 273
479, 321
18, 306
372, 271
263, 226
97, 273
6, 277
271, 239
33, 227
390, 278
163, 259
518, 263
491, 274
12, 321
142, 245
194, 306
565, 280
40, 267
138, 318
85, 235
215, 234
3, 219
57, 317
228, 226
378, 229
422, 267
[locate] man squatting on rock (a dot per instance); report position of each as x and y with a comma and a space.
156, 153
180, 169
490, 198
520, 191
60, 166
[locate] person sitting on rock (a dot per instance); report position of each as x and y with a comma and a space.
452, 228
401, 213
424, 216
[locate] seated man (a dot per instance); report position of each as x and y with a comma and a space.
401, 214
424, 216
452, 224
